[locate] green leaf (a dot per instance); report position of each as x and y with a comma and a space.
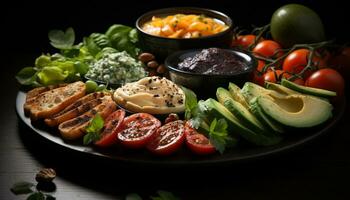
218, 135
91, 137
42, 61
133, 36
36, 196
93, 129
27, 76
62, 40
133, 196
81, 67
22, 188
164, 195
92, 47
117, 28
190, 102
51, 75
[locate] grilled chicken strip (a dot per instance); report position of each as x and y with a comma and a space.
48, 103
79, 107
75, 128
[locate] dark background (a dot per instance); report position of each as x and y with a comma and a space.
318, 171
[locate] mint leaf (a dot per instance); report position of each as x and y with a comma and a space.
190, 102
133, 196
62, 40
22, 188
93, 130
36, 196
164, 195
92, 47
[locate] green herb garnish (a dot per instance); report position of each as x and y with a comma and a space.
93, 130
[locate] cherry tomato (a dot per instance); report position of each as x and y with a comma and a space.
138, 130
245, 41
299, 81
168, 138
327, 79
197, 142
268, 49
270, 76
257, 77
296, 61
112, 126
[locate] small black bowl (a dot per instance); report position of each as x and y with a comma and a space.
161, 47
205, 85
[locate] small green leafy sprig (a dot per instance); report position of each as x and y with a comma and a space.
22, 188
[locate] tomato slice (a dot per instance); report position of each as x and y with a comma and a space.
197, 142
112, 126
138, 130
168, 138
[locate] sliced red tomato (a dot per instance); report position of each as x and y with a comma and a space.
138, 130
197, 142
168, 138
112, 126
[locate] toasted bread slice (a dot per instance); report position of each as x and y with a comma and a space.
79, 107
32, 94
75, 128
53, 101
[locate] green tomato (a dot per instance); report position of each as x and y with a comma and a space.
91, 86
296, 24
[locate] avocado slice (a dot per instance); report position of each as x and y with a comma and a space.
280, 89
238, 110
252, 90
308, 90
236, 94
265, 119
296, 110
219, 111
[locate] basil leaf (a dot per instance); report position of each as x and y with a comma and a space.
133, 196
36, 196
133, 36
27, 76
62, 40
22, 188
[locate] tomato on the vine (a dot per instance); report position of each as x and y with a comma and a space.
197, 142
274, 76
327, 79
268, 49
258, 78
245, 41
296, 61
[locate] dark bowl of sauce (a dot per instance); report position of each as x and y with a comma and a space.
204, 70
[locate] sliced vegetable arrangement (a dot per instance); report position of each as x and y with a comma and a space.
292, 88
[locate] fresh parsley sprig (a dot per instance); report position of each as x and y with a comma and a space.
93, 130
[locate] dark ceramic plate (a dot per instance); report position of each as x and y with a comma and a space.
244, 152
